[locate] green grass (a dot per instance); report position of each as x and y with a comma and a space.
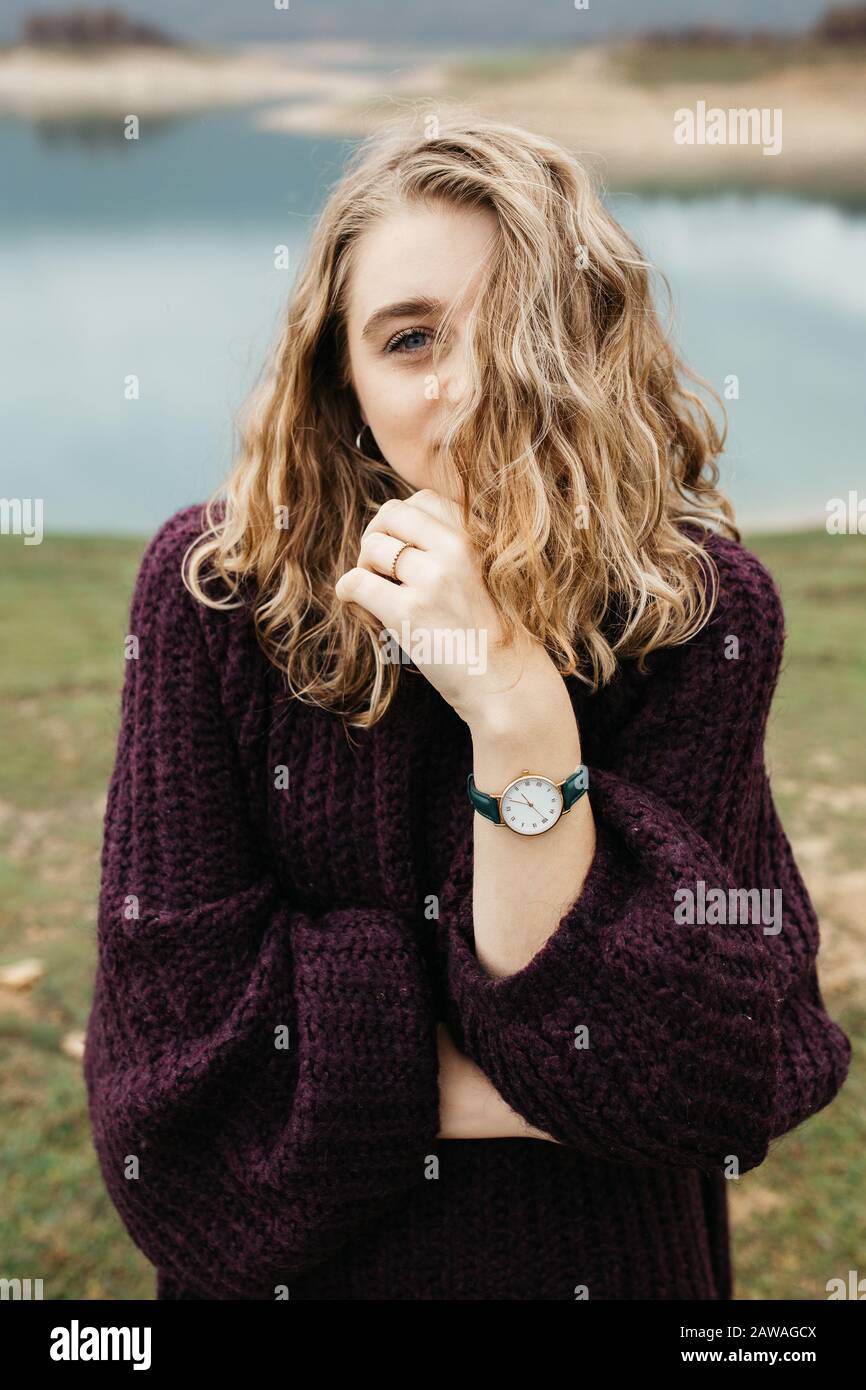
509, 65
62, 624
657, 65
817, 713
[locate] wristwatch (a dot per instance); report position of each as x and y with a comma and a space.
531, 803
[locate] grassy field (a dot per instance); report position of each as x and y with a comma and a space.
798, 1220
649, 64
656, 65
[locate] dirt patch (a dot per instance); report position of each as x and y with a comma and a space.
752, 1200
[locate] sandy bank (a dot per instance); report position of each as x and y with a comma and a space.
627, 130
583, 98
42, 84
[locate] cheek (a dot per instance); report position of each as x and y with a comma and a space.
399, 405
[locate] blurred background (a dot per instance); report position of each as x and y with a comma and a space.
156, 258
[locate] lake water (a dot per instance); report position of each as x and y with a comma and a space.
156, 258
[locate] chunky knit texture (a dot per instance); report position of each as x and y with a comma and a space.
265, 878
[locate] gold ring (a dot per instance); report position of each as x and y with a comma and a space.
404, 546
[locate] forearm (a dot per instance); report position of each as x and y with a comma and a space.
470, 1107
523, 885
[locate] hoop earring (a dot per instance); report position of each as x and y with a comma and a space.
377, 455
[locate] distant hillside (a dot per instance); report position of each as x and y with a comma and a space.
85, 27
492, 22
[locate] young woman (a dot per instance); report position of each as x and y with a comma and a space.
435, 951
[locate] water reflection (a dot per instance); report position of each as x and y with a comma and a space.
157, 258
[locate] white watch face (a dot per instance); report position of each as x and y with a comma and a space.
531, 805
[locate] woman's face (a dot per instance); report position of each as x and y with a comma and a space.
408, 268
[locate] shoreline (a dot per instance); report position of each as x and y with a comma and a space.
792, 532
622, 127
59, 84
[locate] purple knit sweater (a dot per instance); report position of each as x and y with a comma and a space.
261, 1059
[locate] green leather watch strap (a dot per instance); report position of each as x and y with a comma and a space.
573, 789
487, 805
574, 786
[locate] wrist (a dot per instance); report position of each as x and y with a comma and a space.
541, 736
539, 699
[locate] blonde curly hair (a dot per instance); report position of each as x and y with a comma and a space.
579, 447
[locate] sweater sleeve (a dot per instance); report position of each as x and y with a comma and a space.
262, 1082
644, 1030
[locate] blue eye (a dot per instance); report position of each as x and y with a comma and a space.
402, 337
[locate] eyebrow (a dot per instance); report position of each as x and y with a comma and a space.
404, 308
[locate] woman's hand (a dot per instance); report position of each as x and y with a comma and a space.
440, 611
470, 1107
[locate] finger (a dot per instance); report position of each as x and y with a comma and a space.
379, 550
436, 504
414, 523
379, 596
